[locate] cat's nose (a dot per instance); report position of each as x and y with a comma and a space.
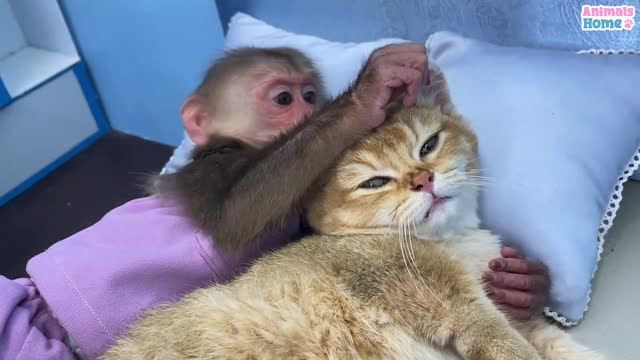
423, 181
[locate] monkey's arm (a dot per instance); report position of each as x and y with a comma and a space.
270, 188
269, 184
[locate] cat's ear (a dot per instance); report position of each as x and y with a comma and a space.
436, 93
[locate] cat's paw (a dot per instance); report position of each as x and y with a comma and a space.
510, 350
527, 353
566, 348
580, 353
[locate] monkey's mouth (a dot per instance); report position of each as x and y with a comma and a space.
436, 203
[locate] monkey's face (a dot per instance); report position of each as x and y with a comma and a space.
280, 101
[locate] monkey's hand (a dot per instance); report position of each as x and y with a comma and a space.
388, 72
518, 286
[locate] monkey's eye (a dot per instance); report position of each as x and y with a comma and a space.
310, 97
283, 98
429, 145
374, 183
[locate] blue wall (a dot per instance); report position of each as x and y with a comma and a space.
145, 56
537, 23
4, 95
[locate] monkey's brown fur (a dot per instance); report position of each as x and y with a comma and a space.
236, 192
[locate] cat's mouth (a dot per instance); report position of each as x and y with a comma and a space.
437, 202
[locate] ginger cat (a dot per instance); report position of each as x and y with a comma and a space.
395, 275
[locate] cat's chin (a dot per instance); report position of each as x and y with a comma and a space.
447, 218
438, 205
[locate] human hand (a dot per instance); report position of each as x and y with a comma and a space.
518, 286
389, 71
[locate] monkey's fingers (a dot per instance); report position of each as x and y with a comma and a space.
509, 252
519, 266
398, 48
416, 61
396, 100
518, 299
398, 76
517, 281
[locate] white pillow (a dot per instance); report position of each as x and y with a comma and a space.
338, 62
556, 133
559, 134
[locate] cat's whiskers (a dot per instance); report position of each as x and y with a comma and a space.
412, 271
479, 179
412, 251
415, 227
393, 213
402, 252
411, 265
467, 174
477, 174
412, 257
462, 179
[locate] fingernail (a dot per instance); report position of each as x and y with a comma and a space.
495, 265
489, 277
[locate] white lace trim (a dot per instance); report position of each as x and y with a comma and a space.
614, 199
610, 51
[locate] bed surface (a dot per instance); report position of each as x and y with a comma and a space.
611, 324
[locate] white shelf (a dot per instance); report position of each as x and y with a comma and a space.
41, 127
11, 36
30, 67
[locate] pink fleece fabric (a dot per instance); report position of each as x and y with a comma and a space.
96, 282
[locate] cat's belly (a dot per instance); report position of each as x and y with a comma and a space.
474, 249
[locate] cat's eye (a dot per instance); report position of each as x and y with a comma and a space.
374, 183
430, 145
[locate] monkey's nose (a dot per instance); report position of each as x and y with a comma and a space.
423, 181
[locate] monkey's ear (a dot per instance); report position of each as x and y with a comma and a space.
437, 92
196, 119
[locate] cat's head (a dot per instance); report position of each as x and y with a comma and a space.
416, 173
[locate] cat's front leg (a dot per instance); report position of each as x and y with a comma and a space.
481, 332
444, 307
475, 328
